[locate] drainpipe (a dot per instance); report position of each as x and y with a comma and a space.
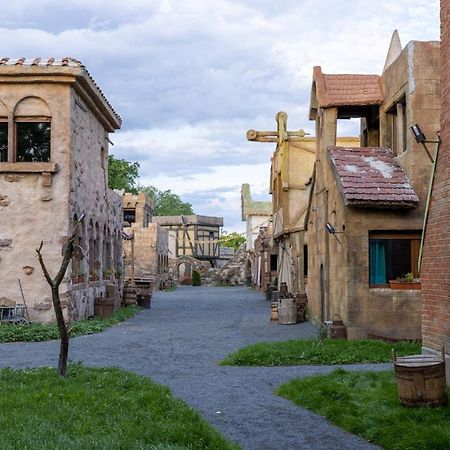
427, 207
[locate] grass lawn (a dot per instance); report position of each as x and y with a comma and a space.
97, 409
315, 352
366, 403
36, 332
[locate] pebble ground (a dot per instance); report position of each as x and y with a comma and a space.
179, 341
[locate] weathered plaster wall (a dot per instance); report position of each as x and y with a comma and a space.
415, 75
253, 223
150, 251
34, 206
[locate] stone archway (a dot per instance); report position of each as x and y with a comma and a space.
185, 272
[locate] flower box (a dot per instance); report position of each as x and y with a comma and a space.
405, 285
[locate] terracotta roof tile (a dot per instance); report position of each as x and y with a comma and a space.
52, 62
370, 177
346, 89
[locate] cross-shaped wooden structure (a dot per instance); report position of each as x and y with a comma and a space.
279, 136
282, 137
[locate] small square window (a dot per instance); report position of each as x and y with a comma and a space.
3, 141
33, 141
129, 215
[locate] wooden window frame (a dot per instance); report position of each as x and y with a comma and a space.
413, 236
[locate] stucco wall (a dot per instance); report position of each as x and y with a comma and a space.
32, 212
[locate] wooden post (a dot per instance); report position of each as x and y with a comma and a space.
132, 257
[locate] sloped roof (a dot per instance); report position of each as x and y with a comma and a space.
52, 66
370, 177
344, 90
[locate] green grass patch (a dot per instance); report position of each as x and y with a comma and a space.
97, 409
37, 332
171, 288
317, 352
366, 404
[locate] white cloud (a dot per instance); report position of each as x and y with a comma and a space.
190, 77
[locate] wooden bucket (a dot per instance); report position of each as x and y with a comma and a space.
421, 380
287, 311
274, 311
338, 329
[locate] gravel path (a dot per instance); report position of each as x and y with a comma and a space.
178, 343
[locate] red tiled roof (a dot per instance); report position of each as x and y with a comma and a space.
370, 177
346, 90
53, 62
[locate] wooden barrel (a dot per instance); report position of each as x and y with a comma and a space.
103, 307
287, 311
421, 380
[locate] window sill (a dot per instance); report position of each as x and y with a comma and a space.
28, 167
398, 286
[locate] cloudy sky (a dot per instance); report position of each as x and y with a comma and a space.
189, 77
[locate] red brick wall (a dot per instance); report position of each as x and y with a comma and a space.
435, 272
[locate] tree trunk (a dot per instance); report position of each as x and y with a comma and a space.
63, 332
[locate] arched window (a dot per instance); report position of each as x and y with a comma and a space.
77, 256
32, 123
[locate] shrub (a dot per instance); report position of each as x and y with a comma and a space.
196, 279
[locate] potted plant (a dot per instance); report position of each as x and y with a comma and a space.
107, 274
406, 282
78, 278
93, 276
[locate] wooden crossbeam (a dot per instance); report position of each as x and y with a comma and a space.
281, 135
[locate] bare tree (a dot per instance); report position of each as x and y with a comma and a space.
64, 330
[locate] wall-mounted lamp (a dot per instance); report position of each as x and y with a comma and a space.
333, 231
420, 138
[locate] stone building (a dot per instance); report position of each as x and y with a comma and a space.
367, 204
150, 256
264, 260
54, 125
196, 236
435, 270
255, 214
291, 170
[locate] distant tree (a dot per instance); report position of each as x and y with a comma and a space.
167, 203
123, 174
233, 240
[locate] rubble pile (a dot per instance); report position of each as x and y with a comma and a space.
234, 271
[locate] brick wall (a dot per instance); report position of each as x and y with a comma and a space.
436, 258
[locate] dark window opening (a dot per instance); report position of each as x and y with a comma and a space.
129, 215
392, 257
273, 263
3, 142
33, 141
305, 260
